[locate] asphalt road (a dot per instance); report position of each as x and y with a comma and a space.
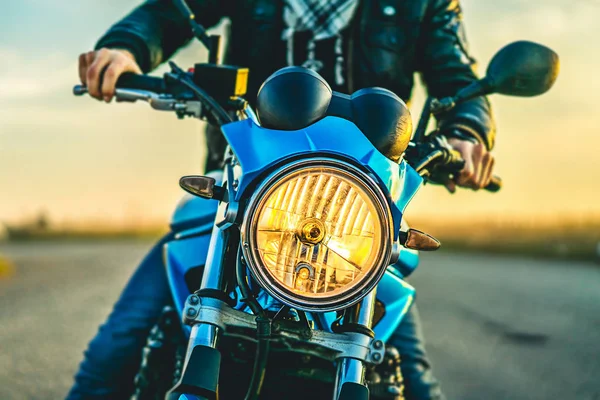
496, 327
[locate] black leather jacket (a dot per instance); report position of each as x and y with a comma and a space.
390, 41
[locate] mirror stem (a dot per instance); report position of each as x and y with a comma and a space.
214, 50
443, 105
423, 121
199, 31
480, 88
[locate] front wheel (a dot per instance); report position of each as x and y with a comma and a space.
164, 355
162, 358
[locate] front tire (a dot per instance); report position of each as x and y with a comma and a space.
162, 358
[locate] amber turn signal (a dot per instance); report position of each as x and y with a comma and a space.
203, 186
417, 240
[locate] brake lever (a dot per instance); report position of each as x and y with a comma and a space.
449, 164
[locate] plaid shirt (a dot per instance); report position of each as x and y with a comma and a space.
325, 19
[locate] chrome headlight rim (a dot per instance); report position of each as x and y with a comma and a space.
277, 290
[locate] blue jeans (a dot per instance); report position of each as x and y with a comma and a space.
114, 354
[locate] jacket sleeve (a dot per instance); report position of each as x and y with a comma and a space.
446, 67
156, 29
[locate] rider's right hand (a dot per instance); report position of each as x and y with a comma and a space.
105, 65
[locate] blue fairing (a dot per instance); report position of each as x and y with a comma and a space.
180, 257
257, 149
194, 217
407, 262
397, 296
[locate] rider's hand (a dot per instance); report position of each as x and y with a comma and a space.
113, 62
479, 163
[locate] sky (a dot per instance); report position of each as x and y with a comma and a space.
84, 161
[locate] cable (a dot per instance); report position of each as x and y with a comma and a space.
220, 115
260, 366
247, 295
263, 331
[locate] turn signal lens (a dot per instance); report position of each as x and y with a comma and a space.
318, 233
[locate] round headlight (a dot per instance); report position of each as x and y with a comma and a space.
318, 235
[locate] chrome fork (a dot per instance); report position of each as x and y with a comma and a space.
350, 380
200, 375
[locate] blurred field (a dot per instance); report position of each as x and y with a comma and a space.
569, 238
7, 269
497, 327
52, 306
575, 239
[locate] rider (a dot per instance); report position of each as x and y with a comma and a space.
352, 44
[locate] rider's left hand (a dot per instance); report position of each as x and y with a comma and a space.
479, 164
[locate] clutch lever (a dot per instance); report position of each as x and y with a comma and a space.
159, 102
128, 95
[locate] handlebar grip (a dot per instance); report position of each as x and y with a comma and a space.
130, 80
494, 185
455, 161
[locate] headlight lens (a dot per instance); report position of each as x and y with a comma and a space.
319, 235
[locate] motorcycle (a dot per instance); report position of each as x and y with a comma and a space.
294, 255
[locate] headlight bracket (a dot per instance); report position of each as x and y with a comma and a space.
343, 345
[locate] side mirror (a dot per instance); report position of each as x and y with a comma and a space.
519, 69
523, 69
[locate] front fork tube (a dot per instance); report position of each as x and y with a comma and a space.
350, 381
200, 373
212, 278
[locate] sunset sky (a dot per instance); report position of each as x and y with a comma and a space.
82, 160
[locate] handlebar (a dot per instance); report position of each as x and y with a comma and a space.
133, 87
177, 91
130, 80
174, 92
